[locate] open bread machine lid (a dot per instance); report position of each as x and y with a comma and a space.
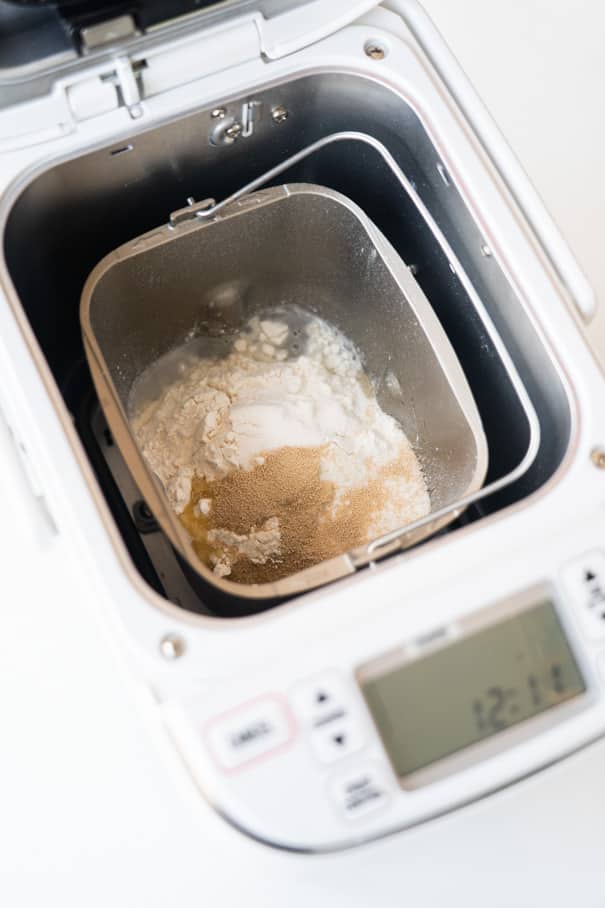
68, 61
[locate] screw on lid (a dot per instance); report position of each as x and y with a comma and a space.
172, 646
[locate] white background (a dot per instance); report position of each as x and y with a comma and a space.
539, 67
89, 814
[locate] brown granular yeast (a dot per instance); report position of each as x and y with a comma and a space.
288, 485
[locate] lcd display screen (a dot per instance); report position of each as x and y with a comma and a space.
434, 706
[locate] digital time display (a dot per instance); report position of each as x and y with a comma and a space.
433, 706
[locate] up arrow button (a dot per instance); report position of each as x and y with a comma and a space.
317, 697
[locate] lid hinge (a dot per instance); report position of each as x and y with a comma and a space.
107, 33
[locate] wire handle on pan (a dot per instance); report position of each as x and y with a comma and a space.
393, 540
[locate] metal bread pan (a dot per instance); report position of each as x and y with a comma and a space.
297, 244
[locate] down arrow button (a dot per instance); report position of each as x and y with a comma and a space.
332, 743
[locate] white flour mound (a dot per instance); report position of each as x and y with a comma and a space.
221, 414
257, 546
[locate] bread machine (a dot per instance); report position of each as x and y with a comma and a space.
426, 680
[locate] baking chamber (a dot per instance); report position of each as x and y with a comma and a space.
75, 212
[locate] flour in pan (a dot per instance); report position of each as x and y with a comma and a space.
274, 393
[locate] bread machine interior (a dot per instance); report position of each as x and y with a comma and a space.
109, 196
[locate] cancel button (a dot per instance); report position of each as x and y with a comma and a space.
245, 736
249, 732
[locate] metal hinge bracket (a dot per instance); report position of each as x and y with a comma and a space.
127, 76
108, 90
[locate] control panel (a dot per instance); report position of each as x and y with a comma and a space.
354, 752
